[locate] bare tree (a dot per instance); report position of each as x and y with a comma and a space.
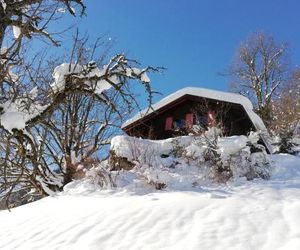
286, 120
43, 121
259, 71
286, 107
20, 22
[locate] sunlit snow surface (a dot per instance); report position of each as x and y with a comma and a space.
242, 215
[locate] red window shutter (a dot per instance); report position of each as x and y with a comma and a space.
212, 122
189, 120
169, 123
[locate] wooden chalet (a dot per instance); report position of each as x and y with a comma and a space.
196, 108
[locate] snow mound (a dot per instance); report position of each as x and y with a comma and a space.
184, 162
258, 214
287, 167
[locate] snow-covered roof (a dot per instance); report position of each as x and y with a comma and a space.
201, 92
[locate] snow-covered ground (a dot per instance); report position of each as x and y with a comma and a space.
256, 215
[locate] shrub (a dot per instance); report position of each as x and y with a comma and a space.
288, 142
183, 161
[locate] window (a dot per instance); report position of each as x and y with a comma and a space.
178, 124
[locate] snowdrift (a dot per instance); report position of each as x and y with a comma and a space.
258, 214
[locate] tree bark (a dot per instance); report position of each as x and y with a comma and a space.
2, 25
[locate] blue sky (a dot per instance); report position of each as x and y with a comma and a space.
194, 39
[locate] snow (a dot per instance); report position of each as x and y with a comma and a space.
242, 215
14, 117
138, 72
131, 147
103, 85
3, 4
60, 73
16, 31
3, 50
184, 162
90, 71
145, 77
3, 58
61, 10
232, 145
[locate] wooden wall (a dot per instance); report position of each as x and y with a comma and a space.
233, 118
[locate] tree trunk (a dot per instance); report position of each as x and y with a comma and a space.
2, 25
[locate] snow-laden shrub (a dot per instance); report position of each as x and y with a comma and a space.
189, 160
100, 176
230, 157
181, 162
288, 142
18, 198
296, 147
96, 176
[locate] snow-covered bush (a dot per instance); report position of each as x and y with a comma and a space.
231, 157
188, 161
287, 142
17, 198
99, 175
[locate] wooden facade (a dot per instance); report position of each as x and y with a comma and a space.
178, 117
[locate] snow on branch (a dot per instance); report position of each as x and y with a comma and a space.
75, 78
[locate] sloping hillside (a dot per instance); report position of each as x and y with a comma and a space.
242, 215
